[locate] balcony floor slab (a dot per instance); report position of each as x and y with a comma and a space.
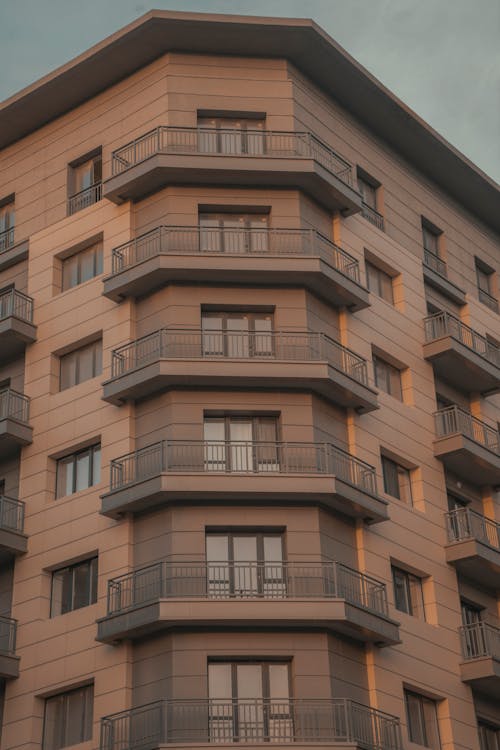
461, 366
468, 459
14, 254
15, 333
9, 666
477, 561
483, 675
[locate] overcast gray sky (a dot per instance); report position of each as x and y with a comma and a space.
442, 57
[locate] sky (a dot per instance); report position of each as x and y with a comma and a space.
441, 57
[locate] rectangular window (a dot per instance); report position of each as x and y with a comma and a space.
84, 181
368, 192
397, 480
82, 266
379, 282
80, 365
7, 223
430, 238
237, 334
246, 444
231, 135
245, 564
422, 720
387, 377
234, 233
408, 593
68, 718
484, 276
489, 736
78, 471
74, 587
368, 187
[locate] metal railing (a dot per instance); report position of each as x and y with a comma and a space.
164, 240
488, 300
372, 216
11, 514
16, 304
434, 262
171, 343
465, 523
84, 198
6, 239
238, 457
480, 639
14, 405
444, 324
231, 142
8, 628
246, 580
453, 420
278, 720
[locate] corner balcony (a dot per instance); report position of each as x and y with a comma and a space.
15, 430
11, 252
460, 355
436, 275
284, 722
173, 471
9, 662
474, 546
467, 446
171, 358
481, 652
16, 324
272, 257
278, 594
231, 157
12, 538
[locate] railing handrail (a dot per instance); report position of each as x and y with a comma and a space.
480, 639
432, 260
466, 523
454, 420
23, 310
489, 349
6, 238
10, 506
85, 190
10, 397
8, 632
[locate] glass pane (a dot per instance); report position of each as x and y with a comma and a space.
279, 685
240, 436
262, 339
416, 597
217, 548
96, 465
249, 681
56, 598
415, 725
93, 581
82, 471
65, 476
68, 371
98, 259
81, 582
386, 287
404, 484
430, 240
215, 448
400, 590
219, 681
368, 193
97, 358
217, 565
395, 388
245, 565
70, 272
273, 548
87, 264
54, 726
85, 363
431, 724
390, 474
221, 708
237, 338
82, 176
213, 341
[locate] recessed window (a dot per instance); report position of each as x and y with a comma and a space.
80, 365
234, 233
387, 377
408, 593
7, 223
245, 564
237, 334
85, 181
397, 480
422, 719
379, 282
430, 237
368, 187
78, 471
246, 444
231, 135
485, 276
82, 266
489, 736
68, 718
74, 587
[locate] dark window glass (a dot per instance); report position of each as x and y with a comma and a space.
430, 239
80, 365
489, 736
82, 266
368, 193
379, 282
422, 720
74, 587
68, 718
78, 471
397, 480
408, 594
387, 378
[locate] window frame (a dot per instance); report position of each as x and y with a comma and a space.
96, 249
433, 233
65, 359
68, 724
92, 564
411, 585
399, 471
386, 376
94, 159
383, 289
420, 735
92, 450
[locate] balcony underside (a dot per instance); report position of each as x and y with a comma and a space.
241, 270
477, 561
444, 285
305, 174
14, 335
461, 366
12, 543
335, 615
268, 488
243, 374
338, 745
14, 254
9, 666
483, 675
469, 460
13, 436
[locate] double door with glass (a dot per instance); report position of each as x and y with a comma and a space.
239, 335
231, 135
241, 444
234, 233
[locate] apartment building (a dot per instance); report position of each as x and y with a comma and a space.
249, 411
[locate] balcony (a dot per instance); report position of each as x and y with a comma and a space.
460, 355
171, 358
285, 722
474, 546
467, 446
373, 216
84, 198
9, 662
12, 537
436, 275
488, 300
481, 652
10, 251
231, 157
280, 595
176, 471
14, 422
16, 324
272, 257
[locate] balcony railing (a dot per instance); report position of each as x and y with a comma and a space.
372, 215
6, 239
465, 523
444, 324
231, 142
193, 456
453, 420
16, 304
11, 514
8, 628
166, 240
14, 405
170, 343
488, 300
84, 198
277, 720
479, 640
434, 262
246, 580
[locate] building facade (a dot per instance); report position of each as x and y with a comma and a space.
249, 422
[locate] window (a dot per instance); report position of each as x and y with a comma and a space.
387, 377
397, 480
7, 223
430, 237
245, 564
84, 181
471, 613
379, 282
74, 587
78, 471
422, 720
82, 266
408, 594
368, 192
234, 232
245, 444
368, 188
484, 276
489, 736
68, 718
231, 135
80, 365
237, 334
